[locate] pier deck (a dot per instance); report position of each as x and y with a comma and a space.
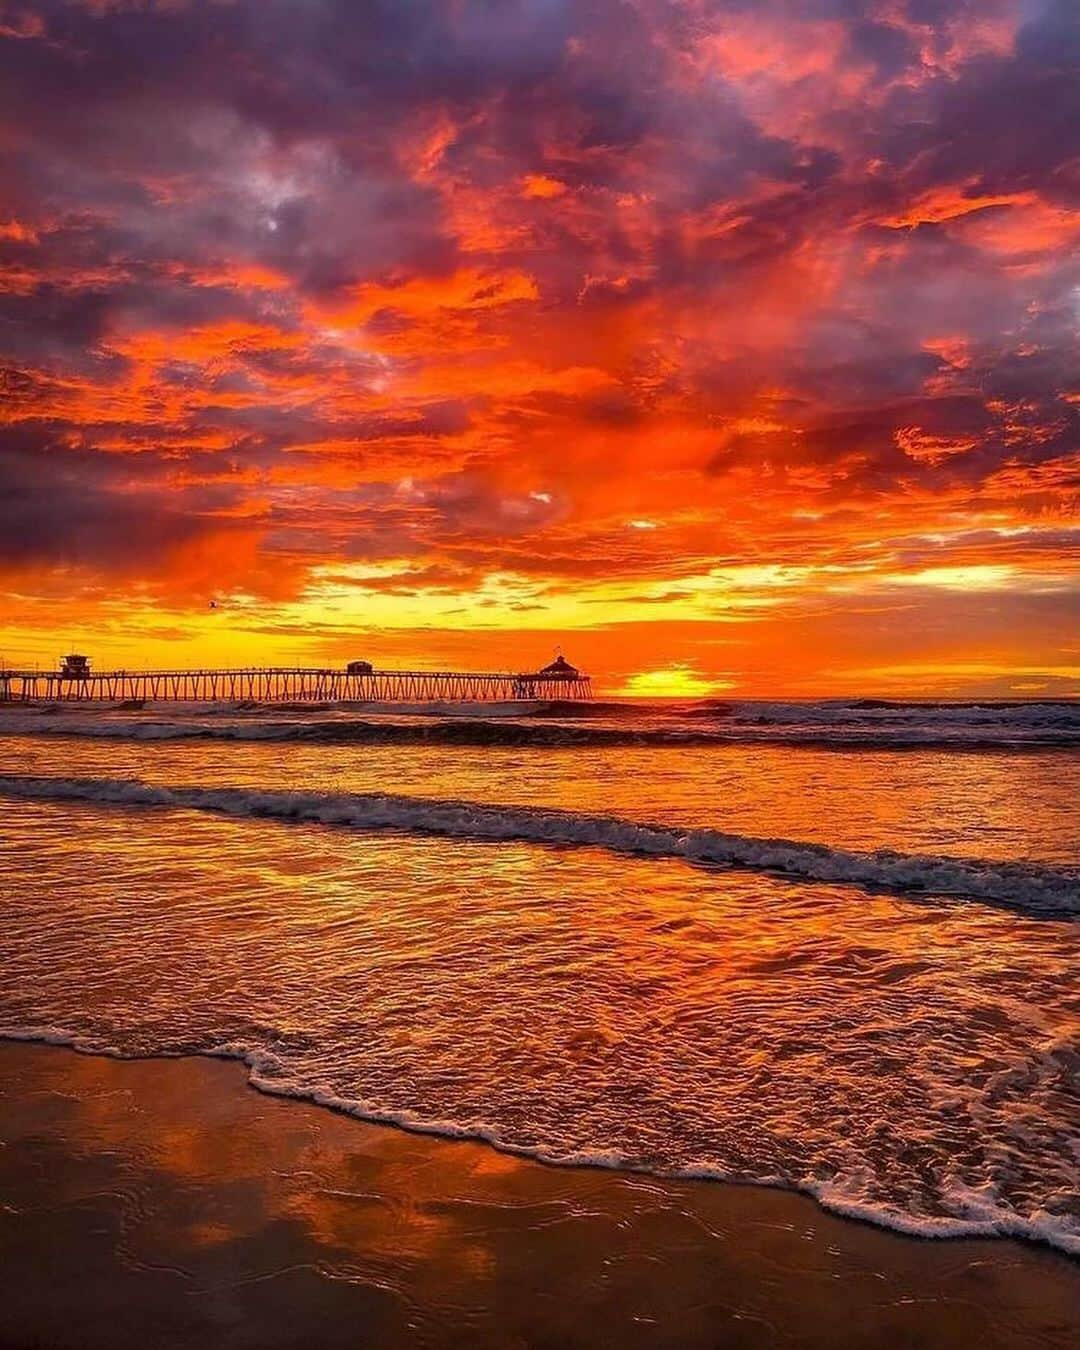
286, 684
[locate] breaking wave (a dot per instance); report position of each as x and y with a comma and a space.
552, 735
422, 727
555, 728
1031, 887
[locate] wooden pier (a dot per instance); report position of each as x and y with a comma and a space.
287, 684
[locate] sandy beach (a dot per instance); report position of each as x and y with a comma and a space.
165, 1203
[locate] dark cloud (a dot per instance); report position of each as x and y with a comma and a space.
1008, 122
69, 509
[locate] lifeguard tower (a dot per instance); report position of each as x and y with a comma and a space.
75, 667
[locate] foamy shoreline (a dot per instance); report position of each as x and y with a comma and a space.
201, 1206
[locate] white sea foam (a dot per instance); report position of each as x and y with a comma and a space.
975, 1213
1026, 886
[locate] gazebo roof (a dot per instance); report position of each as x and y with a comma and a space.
559, 667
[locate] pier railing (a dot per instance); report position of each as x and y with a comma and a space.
279, 684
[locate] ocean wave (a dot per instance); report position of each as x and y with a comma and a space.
423, 726
971, 1213
1060, 713
554, 728
1028, 886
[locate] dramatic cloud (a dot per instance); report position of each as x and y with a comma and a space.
730, 338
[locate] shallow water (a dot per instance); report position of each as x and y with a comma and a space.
910, 1057
990, 804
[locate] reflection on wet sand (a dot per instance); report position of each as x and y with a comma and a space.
151, 1202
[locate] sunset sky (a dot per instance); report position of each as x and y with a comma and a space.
728, 344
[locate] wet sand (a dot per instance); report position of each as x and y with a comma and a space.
164, 1203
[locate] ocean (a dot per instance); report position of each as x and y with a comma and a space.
827, 946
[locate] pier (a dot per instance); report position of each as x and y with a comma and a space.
357, 682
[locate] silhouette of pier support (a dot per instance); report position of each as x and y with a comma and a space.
279, 684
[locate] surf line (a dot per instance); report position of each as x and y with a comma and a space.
1027, 886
